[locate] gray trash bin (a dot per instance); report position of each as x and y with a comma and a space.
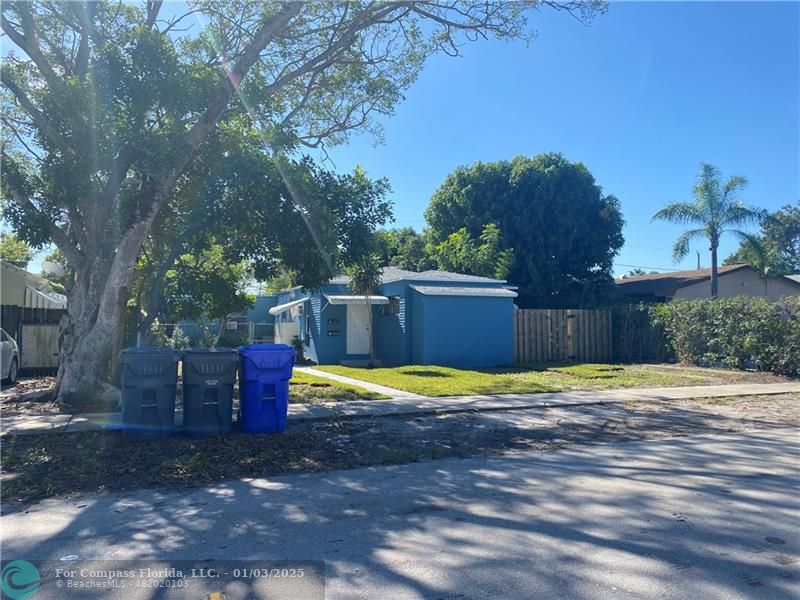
209, 375
149, 380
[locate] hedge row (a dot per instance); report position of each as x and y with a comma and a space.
739, 332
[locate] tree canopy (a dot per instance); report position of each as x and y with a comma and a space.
403, 248
485, 256
775, 250
564, 232
15, 250
265, 216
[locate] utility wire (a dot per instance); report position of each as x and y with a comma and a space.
644, 267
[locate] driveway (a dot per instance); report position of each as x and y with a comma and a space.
711, 516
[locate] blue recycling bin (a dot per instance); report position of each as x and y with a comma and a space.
264, 374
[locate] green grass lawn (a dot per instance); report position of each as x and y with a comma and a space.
446, 381
305, 388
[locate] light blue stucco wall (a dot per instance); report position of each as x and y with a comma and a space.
323, 347
463, 331
259, 313
392, 333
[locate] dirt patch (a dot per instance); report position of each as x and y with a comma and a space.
719, 376
30, 396
39, 466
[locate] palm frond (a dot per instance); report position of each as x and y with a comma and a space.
365, 276
753, 243
707, 191
739, 215
734, 185
683, 243
680, 212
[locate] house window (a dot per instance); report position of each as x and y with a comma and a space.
393, 308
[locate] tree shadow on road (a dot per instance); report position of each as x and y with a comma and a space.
577, 521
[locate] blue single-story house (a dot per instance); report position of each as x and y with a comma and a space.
427, 318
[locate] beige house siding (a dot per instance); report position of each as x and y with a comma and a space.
19, 287
12, 285
744, 282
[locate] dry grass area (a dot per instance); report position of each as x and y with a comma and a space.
55, 464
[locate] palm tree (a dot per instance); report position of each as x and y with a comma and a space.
365, 277
717, 209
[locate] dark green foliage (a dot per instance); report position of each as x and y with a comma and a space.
365, 275
734, 332
255, 216
300, 349
635, 338
484, 256
563, 230
404, 248
233, 338
777, 247
204, 284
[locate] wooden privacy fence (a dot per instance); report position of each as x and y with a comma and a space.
546, 335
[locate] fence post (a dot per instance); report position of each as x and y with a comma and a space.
570, 334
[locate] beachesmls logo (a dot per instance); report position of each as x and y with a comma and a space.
20, 580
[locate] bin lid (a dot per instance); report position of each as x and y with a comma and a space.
159, 350
219, 350
265, 348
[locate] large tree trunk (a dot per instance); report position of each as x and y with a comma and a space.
92, 326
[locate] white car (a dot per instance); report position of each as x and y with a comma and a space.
9, 357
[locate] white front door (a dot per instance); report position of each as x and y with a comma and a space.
357, 329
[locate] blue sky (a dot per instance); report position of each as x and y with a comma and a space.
641, 97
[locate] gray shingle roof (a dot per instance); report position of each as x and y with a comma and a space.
394, 274
453, 290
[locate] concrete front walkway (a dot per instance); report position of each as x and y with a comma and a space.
420, 405
366, 385
423, 404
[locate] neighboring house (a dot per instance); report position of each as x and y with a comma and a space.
19, 287
427, 318
734, 280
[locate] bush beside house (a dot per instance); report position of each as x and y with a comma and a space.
735, 332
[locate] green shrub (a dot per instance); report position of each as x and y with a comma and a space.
233, 338
635, 337
733, 332
299, 348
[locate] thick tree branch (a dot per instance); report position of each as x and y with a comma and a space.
57, 235
153, 8
13, 128
233, 78
42, 124
85, 13
28, 44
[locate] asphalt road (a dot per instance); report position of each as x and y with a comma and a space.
700, 517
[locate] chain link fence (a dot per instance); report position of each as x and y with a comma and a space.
231, 332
